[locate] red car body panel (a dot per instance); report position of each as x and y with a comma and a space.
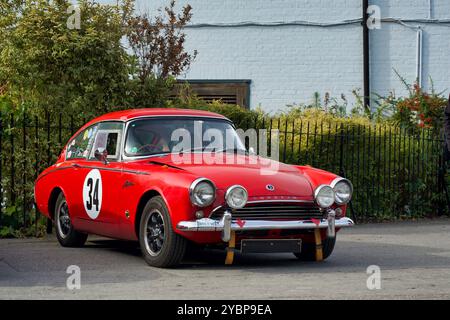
127, 183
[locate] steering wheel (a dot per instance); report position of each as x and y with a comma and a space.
149, 147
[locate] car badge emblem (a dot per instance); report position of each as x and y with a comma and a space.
270, 187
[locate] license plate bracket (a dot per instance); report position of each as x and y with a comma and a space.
271, 245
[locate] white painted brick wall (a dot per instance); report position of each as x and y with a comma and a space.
394, 46
288, 64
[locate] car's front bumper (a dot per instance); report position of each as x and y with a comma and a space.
228, 224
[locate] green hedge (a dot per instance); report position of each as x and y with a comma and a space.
395, 172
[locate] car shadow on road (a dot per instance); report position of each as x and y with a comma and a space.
348, 256
128, 247
104, 261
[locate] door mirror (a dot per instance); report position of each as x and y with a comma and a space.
101, 156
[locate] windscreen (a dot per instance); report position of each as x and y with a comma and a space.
153, 136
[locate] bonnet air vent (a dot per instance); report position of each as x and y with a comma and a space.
156, 163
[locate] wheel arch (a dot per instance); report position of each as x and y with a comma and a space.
149, 194
52, 201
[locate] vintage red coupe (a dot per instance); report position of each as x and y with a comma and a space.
164, 178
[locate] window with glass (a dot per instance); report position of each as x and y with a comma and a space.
107, 139
153, 136
79, 147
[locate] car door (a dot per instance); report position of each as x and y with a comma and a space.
72, 173
101, 184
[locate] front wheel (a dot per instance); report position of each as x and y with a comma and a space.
160, 245
65, 233
309, 250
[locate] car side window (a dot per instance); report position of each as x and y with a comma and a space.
108, 137
79, 147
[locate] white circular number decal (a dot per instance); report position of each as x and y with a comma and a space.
92, 193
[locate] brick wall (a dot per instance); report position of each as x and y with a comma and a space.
394, 46
287, 64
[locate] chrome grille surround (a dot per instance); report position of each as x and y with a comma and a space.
272, 210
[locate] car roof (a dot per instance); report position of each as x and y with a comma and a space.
126, 115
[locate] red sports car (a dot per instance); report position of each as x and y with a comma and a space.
165, 177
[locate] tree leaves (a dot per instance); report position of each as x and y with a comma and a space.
43, 60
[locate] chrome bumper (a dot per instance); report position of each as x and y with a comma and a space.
226, 224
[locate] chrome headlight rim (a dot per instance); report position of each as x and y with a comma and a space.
333, 185
317, 193
228, 193
192, 187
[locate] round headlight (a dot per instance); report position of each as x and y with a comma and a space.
343, 190
236, 197
202, 192
324, 196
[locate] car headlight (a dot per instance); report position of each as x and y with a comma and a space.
324, 196
202, 192
236, 197
343, 190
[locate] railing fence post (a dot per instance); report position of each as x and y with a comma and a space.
442, 171
285, 139
49, 221
48, 138
36, 168
341, 151
24, 173
1, 165
13, 173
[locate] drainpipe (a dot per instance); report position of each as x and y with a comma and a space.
430, 11
366, 54
419, 56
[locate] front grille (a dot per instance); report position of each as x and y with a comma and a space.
270, 211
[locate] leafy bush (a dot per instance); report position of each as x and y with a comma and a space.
44, 65
420, 109
241, 117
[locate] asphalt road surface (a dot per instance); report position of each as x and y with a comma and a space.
413, 257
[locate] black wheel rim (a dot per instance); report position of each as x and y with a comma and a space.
154, 233
63, 220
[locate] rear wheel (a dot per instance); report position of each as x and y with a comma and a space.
65, 233
309, 250
160, 245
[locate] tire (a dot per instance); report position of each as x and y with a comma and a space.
160, 245
65, 233
309, 250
